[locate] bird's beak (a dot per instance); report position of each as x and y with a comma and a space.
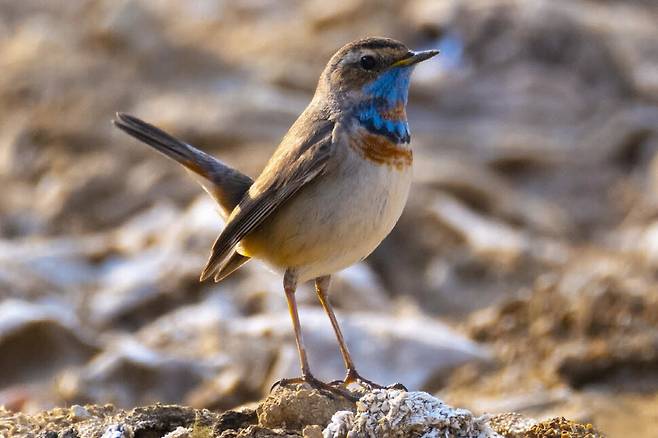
415, 58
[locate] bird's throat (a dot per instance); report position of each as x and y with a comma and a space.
383, 109
380, 117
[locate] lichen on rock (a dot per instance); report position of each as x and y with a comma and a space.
392, 413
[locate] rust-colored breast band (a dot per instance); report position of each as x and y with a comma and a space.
380, 150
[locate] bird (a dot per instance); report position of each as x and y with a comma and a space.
332, 191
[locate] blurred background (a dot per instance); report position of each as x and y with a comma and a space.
522, 275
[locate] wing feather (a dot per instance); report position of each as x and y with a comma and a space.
293, 170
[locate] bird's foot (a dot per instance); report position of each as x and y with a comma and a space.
327, 389
354, 377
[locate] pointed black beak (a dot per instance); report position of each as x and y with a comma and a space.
415, 58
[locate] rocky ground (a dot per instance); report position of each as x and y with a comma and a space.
295, 411
521, 277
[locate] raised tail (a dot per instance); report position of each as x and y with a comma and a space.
225, 184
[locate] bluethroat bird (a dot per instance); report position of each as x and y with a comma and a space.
330, 193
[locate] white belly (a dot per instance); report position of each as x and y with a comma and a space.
336, 220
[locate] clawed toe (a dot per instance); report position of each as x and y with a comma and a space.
285, 382
354, 377
338, 387
329, 389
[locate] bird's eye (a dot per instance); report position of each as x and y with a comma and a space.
367, 62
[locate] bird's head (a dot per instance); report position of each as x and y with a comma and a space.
369, 79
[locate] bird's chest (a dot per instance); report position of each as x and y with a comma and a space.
344, 215
341, 216
373, 179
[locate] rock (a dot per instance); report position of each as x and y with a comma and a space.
358, 287
192, 331
229, 388
294, 411
128, 372
180, 432
563, 427
39, 339
80, 412
62, 265
575, 334
298, 406
313, 431
119, 25
154, 260
476, 185
394, 413
599, 312
118, 431
511, 425
189, 353
492, 240
58, 422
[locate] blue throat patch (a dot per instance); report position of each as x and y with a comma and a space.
385, 94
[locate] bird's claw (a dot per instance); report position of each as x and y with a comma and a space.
328, 389
354, 377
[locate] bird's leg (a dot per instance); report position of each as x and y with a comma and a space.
322, 289
352, 376
290, 285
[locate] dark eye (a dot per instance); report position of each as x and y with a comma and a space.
367, 62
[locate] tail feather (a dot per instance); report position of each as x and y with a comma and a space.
225, 184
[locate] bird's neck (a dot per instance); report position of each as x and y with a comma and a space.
383, 108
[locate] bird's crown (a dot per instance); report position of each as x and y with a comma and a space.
369, 79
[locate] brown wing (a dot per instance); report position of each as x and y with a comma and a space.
287, 172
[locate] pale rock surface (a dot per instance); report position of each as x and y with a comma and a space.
391, 413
